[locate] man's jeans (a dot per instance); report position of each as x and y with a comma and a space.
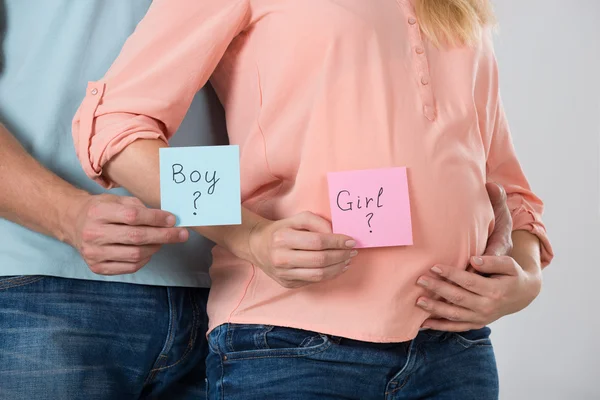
65, 339
257, 362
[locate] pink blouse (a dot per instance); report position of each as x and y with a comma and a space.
315, 86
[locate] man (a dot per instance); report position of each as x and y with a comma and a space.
91, 308
67, 332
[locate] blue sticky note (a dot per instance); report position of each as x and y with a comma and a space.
201, 185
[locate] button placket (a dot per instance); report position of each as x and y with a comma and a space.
420, 62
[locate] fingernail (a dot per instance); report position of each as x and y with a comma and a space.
170, 220
348, 262
437, 270
422, 303
477, 260
353, 253
345, 269
423, 282
350, 243
183, 234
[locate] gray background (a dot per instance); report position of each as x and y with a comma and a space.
549, 56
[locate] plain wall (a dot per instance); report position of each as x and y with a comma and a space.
549, 57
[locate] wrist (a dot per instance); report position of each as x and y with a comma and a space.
68, 211
254, 240
526, 252
534, 281
532, 273
244, 241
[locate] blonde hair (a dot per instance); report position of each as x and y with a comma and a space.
454, 22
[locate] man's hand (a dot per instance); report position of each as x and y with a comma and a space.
500, 241
118, 235
493, 286
474, 301
300, 250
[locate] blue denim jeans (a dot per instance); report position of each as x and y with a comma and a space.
73, 339
265, 362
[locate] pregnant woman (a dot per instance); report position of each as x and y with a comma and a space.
317, 86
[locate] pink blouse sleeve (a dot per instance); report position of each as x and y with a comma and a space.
503, 166
149, 88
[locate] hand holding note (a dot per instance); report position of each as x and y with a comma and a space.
300, 250
118, 235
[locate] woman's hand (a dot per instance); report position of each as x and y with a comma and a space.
473, 300
300, 250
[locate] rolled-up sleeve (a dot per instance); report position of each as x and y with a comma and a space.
150, 86
503, 166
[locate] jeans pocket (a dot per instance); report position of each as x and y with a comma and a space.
7, 282
475, 337
237, 342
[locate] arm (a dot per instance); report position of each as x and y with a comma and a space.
510, 283
39, 200
131, 113
500, 240
521, 245
143, 155
526, 253
525, 207
294, 252
31, 195
503, 167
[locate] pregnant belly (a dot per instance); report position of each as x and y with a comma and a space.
451, 212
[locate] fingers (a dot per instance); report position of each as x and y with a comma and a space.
449, 326
492, 265
469, 280
300, 250
134, 235
302, 240
471, 269
129, 214
454, 294
131, 201
498, 245
142, 216
500, 241
496, 193
117, 268
119, 253
119, 235
318, 259
310, 222
298, 277
447, 311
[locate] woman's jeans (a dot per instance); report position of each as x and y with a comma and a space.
266, 362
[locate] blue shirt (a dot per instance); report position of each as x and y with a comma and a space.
50, 50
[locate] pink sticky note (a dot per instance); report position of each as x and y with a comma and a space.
372, 206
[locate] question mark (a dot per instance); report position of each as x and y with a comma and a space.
369, 216
196, 199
